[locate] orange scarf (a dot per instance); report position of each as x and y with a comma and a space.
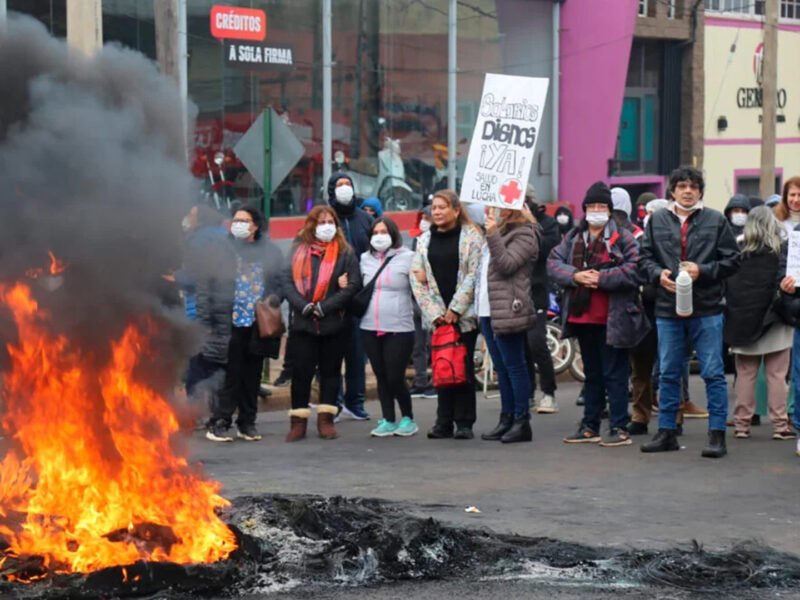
301, 269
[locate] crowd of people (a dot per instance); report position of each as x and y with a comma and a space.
644, 290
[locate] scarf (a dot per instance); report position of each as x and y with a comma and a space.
301, 269
584, 256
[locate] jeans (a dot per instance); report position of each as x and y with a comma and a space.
388, 354
704, 334
312, 352
607, 370
796, 378
355, 377
242, 380
508, 357
539, 356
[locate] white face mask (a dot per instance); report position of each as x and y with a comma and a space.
241, 231
424, 226
344, 194
597, 219
186, 224
325, 232
739, 219
562, 219
381, 242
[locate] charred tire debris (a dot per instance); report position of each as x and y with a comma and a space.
296, 541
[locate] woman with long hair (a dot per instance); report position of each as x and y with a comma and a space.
257, 273
753, 329
321, 279
506, 312
788, 210
388, 325
443, 282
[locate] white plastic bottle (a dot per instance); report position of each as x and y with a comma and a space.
683, 295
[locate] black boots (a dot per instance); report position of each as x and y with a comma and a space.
664, 441
520, 431
716, 445
506, 420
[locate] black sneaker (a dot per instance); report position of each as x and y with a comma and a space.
417, 391
283, 380
635, 428
218, 432
464, 433
430, 392
249, 433
584, 435
264, 391
616, 437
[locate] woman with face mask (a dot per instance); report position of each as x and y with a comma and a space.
319, 282
563, 217
387, 327
736, 212
596, 264
257, 277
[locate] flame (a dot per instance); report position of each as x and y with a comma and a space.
57, 266
98, 483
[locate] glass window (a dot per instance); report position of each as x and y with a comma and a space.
790, 9
53, 13
671, 9
643, 8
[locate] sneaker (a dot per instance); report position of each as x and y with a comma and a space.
440, 433
692, 411
787, 434
417, 391
249, 433
384, 429
406, 427
264, 391
463, 433
584, 435
430, 393
357, 413
742, 435
635, 428
547, 405
218, 432
283, 380
616, 437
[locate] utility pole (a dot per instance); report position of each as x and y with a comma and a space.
452, 69
327, 92
769, 99
85, 25
170, 20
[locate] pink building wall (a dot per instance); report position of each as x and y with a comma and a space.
595, 47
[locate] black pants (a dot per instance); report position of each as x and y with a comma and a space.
242, 380
204, 380
310, 352
388, 354
539, 356
457, 404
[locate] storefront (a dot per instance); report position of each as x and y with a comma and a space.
733, 106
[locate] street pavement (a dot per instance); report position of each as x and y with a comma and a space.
581, 493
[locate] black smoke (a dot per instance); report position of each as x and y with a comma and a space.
92, 168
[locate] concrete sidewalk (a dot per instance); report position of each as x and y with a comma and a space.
584, 493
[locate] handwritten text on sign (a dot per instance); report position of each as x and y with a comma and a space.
504, 141
793, 257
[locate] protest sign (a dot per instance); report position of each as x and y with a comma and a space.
793, 257
504, 140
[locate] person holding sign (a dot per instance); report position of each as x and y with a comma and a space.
689, 237
442, 278
596, 265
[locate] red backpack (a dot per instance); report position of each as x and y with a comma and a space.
448, 357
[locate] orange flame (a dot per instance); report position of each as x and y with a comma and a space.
99, 478
57, 266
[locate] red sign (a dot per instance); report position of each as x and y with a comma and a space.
233, 23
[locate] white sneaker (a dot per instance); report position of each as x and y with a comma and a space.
547, 405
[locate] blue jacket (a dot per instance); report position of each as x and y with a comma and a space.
355, 222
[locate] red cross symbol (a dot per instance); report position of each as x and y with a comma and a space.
511, 191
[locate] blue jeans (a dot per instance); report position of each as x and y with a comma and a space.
796, 378
355, 363
704, 334
508, 357
607, 369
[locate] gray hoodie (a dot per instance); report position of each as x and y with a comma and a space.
390, 309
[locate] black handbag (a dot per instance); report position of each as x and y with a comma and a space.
787, 307
360, 302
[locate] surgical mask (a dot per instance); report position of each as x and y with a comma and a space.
562, 219
381, 242
597, 219
186, 224
344, 194
241, 231
424, 226
325, 232
739, 219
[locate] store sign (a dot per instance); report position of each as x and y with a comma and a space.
233, 23
752, 97
259, 56
504, 140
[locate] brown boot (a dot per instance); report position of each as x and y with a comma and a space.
325, 415
299, 423
692, 411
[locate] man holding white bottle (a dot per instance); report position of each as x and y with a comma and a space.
686, 236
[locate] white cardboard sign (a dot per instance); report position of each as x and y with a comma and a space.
504, 141
793, 257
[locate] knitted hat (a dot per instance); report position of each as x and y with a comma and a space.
621, 200
598, 193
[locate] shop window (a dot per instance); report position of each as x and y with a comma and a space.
749, 185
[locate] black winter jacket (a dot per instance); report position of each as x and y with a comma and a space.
737, 201
749, 295
335, 304
355, 222
550, 238
709, 243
